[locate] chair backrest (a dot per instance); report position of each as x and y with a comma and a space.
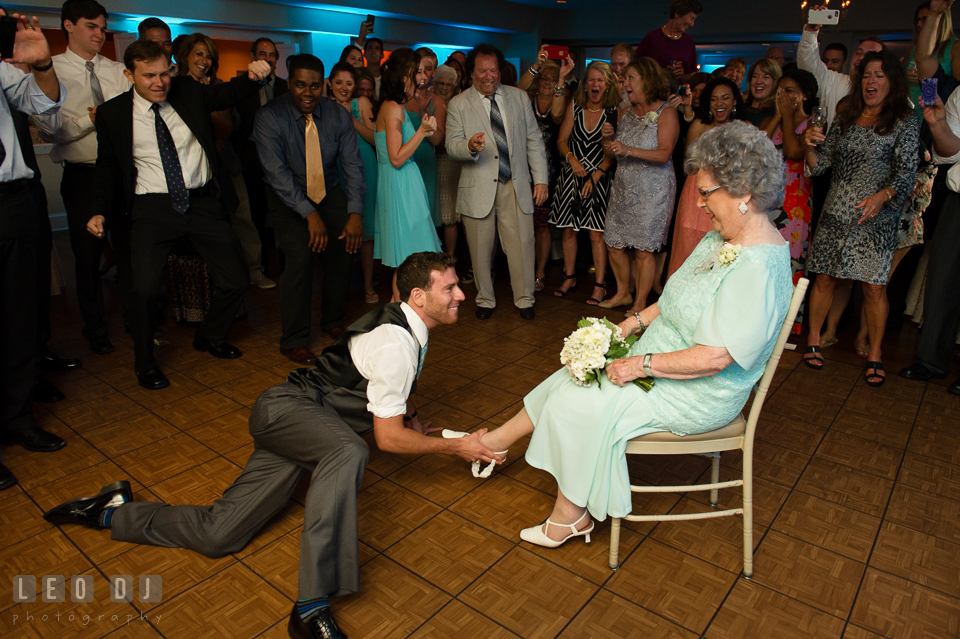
771, 368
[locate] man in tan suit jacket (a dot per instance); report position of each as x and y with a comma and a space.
492, 129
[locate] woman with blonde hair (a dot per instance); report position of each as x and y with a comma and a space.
580, 201
946, 49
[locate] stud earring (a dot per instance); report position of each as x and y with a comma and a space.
743, 208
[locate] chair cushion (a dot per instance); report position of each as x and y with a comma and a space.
736, 428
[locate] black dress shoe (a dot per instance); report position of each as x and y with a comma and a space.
921, 372
35, 439
954, 387
45, 392
319, 625
528, 313
484, 313
153, 379
87, 510
101, 345
53, 363
224, 351
6, 478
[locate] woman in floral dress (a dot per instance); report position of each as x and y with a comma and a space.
795, 98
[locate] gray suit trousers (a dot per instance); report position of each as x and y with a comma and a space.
292, 433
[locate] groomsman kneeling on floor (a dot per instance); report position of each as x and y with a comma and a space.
313, 424
156, 143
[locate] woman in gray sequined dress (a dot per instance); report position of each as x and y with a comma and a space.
872, 149
645, 184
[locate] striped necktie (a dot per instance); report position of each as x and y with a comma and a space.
500, 137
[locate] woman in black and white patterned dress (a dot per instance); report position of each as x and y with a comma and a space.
584, 181
872, 149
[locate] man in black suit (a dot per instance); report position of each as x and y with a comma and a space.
242, 136
156, 143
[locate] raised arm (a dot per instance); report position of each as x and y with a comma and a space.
925, 54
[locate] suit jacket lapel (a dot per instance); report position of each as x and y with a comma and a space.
477, 102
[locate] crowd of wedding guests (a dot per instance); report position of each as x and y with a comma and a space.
370, 160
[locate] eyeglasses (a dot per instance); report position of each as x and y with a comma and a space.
705, 193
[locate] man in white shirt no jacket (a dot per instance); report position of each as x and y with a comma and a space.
90, 80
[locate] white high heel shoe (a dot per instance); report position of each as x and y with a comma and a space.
475, 466
537, 536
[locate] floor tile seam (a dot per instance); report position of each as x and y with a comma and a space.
259, 576
185, 470
112, 458
955, 597
579, 612
821, 547
205, 388
480, 612
657, 614
837, 503
202, 581
52, 526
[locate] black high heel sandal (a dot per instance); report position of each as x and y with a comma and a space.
560, 293
592, 301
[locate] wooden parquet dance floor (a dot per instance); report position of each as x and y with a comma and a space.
857, 502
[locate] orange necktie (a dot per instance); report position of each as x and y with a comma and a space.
316, 187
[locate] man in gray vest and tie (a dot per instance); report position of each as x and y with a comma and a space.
313, 424
491, 128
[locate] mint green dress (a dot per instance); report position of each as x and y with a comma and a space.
581, 433
426, 158
368, 155
404, 225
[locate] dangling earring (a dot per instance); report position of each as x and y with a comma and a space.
733, 111
743, 208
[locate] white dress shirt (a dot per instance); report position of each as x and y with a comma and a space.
73, 135
388, 357
833, 86
953, 121
21, 92
146, 152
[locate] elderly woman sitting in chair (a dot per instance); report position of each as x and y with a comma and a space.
706, 342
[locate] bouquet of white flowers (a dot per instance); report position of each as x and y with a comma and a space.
588, 350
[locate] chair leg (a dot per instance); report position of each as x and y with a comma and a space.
614, 559
748, 519
715, 478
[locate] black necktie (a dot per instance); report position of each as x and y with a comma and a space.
500, 137
179, 197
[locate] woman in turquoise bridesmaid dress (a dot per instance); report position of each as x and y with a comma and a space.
403, 221
706, 341
343, 82
424, 102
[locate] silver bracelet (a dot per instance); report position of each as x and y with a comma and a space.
640, 327
646, 365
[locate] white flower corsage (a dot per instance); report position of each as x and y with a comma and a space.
729, 254
650, 118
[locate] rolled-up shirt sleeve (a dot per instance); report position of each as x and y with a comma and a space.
742, 317
24, 94
387, 357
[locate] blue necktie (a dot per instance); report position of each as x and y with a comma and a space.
423, 358
176, 188
500, 137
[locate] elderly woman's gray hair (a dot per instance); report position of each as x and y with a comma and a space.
445, 73
742, 159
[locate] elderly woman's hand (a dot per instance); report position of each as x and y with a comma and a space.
623, 371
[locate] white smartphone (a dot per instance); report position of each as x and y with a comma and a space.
824, 16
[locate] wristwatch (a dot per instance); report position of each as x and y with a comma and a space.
646, 365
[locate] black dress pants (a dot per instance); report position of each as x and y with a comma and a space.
941, 297
154, 228
44, 247
76, 188
296, 283
18, 301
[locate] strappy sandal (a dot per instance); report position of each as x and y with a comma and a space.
538, 285
878, 374
816, 363
560, 292
592, 301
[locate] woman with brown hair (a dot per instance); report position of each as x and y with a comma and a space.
761, 99
641, 200
580, 201
872, 148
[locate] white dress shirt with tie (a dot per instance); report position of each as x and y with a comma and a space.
73, 134
146, 151
503, 116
